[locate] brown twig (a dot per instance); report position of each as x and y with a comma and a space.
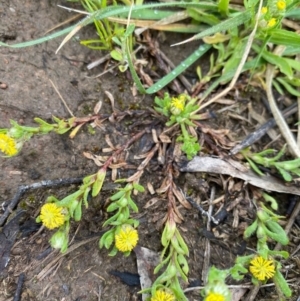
17, 296
24, 188
261, 131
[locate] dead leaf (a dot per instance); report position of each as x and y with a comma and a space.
164, 138
98, 107
219, 166
147, 260
151, 202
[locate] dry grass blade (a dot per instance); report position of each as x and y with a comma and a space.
284, 129
181, 198
44, 271
63, 23
63, 101
69, 36
241, 64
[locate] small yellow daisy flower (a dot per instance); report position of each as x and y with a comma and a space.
126, 239
161, 295
272, 22
262, 269
177, 105
214, 297
264, 10
281, 5
52, 216
8, 145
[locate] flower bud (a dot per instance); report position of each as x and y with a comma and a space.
59, 240
122, 202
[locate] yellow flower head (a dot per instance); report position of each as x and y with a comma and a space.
126, 239
52, 216
214, 297
161, 295
264, 10
177, 105
281, 5
272, 22
8, 145
262, 269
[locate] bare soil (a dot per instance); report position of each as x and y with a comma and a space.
26, 92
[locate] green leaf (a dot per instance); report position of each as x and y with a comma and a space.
233, 62
132, 204
285, 37
238, 19
283, 254
285, 174
116, 55
112, 207
293, 13
109, 236
276, 60
138, 187
44, 126
179, 69
250, 229
117, 195
277, 87
78, 212
271, 200
289, 165
85, 196
108, 241
223, 6
281, 284
293, 63
201, 16
113, 252
99, 182
110, 220
65, 202
288, 87
254, 167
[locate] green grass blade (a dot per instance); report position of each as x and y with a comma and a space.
179, 69
233, 22
111, 11
40, 40
285, 37
228, 76
134, 75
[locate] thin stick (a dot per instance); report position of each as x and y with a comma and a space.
17, 296
65, 104
23, 188
207, 251
241, 64
43, 273
261, 131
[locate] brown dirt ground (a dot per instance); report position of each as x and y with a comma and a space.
84, 272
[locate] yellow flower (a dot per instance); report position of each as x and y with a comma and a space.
161, 295
272, 22
126, 239
214, 297
262, 269
177, 105
8, 145
281, 5
264, 10
52, 216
